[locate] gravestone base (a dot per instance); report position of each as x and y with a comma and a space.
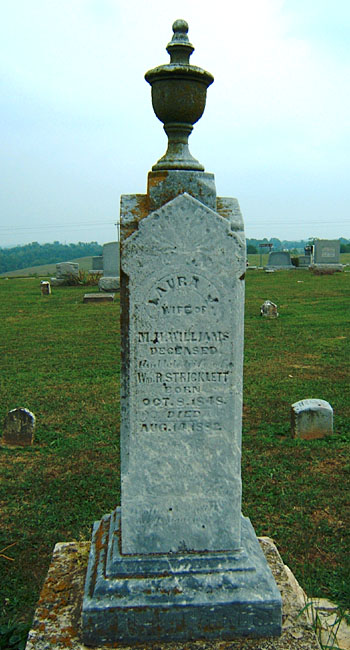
326, 267
162, 597
109, 283
98, 297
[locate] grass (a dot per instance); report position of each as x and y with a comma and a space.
85, 264
60, 359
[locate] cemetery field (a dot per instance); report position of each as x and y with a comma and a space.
60, 359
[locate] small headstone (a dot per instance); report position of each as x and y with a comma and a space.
111, 270
98, 297
279, 260
19, 428
66, 269
45, 287
97, 263
268, 309
311, 418
111, 259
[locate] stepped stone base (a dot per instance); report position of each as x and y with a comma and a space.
163, 597
57, 619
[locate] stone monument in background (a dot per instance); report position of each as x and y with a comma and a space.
111, 271
177, 560
279, 261
326, 254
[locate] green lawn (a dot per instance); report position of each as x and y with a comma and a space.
60, 359
85, 264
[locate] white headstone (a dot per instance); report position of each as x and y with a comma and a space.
311, 418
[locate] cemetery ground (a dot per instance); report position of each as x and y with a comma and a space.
60, 359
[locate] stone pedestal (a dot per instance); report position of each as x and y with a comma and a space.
177, 597
57, 620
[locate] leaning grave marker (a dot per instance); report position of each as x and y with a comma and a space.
178, 560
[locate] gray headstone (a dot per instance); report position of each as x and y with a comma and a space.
45, 288
268, 309
66, 269
184, 377
97, 263
111, 259
19, 426
178, 561
326, 251
279, 260
311, 418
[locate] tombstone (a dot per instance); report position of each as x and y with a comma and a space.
326, 254
268, 309
45, 288
311, 418
279, 260
19, 426
65, 271
110, 279
326, 251
304, 261
177, 560
97, 263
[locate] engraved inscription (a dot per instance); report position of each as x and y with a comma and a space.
183, 294
188, 373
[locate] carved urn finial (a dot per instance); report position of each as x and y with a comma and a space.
179, 92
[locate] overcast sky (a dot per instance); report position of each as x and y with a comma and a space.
78, 129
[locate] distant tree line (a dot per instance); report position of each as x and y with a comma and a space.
293, 246
34, 254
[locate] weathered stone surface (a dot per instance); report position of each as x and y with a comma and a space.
163, 186
182, 551
279, 260
19, 427
177, 596
268, 309
98, 297
57, 619
66, 269
111, 259
311, 418
109, 284
181, 404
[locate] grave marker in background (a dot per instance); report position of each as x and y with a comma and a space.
111, 271
311, 418
279, 260
326, 254
19, 426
